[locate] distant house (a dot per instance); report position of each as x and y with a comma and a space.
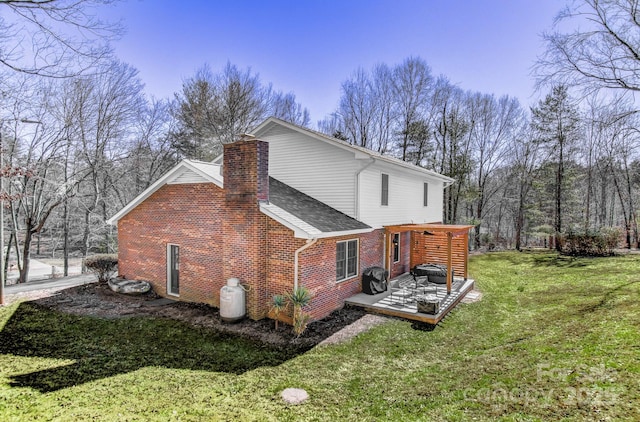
285, 207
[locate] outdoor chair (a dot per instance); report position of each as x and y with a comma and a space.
423, 286
399, 295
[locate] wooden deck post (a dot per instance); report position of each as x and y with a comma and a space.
449, 262
466, 254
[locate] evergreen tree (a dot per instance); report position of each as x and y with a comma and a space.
555, 121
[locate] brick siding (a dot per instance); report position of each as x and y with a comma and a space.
403, 264
186, 215
318, 271
221, 233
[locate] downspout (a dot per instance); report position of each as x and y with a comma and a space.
310, 243
357, 183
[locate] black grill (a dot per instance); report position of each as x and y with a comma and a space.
374, 280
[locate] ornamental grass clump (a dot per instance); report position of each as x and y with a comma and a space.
299, 298
278, 305
102, 265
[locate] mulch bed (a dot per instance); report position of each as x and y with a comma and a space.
97, 300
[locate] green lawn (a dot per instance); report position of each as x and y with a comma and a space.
552, 339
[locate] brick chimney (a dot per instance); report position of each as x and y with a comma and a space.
246, 171
246, 184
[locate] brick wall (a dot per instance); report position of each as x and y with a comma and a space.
280, 250
318, 271
403, 265
222, 234
246, 182
187, 215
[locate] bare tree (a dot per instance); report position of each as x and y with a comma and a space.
54, 38
366, 114
524, 165
452, 155
241, 102
618, 136
601, 52
383, 91
40, 190
109, 104
497, 125
148, 157
412, 85
213, 109
285, 107
357, 109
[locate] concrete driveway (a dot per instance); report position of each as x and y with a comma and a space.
55, 283
40, 271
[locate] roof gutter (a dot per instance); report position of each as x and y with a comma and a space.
357, 182
447, 183
310, 243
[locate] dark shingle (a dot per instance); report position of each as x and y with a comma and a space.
310, 210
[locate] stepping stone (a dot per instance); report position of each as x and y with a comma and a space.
294, 395
119, 285
160, 302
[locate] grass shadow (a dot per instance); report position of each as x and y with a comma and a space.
103, 348
557, 260
608, 297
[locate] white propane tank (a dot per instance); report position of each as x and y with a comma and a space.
232, 301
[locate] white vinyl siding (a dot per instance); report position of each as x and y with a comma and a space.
322, 171
406, 204
425, 194
384, 191
349, 180
187, 176
346, 259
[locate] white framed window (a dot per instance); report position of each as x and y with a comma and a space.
346, 259
384, 193
396, 247
425, 193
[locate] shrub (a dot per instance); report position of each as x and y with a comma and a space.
299, 298
600, 243
102, 265
278, 305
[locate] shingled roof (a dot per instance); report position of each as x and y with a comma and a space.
313, 212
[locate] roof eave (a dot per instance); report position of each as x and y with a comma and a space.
360, 152
308, 232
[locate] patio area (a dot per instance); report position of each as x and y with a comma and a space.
401, 301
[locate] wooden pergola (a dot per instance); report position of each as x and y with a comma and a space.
448, 231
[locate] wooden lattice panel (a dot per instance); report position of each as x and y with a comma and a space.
432, 249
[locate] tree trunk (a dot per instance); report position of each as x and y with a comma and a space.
519, 222
85, 236
479, 207
588, 199
560, 174
65, 238
24, 271
7, 255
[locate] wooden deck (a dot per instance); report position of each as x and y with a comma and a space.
401, 302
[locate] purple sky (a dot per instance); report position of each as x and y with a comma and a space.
309, 47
